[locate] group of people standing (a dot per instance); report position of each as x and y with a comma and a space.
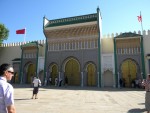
136, 83
57, 82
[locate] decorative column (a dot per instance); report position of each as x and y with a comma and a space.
59, 76
81, 79
99, 46
142, 58
115, 58
118, 80
21, 79
21, 73
37, 56
45, 80
98, 84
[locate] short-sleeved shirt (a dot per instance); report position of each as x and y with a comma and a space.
36, 82
6, 95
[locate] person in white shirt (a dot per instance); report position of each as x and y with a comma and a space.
6, 89
36, 83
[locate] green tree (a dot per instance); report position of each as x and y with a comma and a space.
4, 33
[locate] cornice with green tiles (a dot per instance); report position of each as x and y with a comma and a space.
72, 20
129, 34
34, 43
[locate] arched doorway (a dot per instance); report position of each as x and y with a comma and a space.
108, 78
30, 73
91, 79
129, 71
72, 71
54, 73
16, 78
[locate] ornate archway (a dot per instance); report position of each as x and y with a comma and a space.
91, 78
129, 71
54, 73
29, 72
72, 71
108, 78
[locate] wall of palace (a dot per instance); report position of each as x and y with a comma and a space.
11, 51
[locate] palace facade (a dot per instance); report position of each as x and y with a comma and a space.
74, 47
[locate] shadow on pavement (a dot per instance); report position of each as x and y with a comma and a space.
22, 99
136, 110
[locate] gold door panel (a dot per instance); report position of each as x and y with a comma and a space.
72, 72
30, 72
91, 75
129, 70
54, 73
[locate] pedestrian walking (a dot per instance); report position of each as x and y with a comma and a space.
6, 89
36, 83
146, 84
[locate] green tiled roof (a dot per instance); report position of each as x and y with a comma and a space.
34, 43
72, 20
129, 34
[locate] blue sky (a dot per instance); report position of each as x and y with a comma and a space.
117, 15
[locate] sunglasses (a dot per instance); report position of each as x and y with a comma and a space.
11, 72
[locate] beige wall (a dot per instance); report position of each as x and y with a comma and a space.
42, 51
7, 54
146, 41
107, 45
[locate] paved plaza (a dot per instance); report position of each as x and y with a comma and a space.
79, 100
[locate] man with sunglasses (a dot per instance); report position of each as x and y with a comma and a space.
6, 89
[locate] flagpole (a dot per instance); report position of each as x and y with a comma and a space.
141, 23
142, 48
25, 36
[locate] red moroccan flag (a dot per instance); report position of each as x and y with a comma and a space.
20, 31
140, 18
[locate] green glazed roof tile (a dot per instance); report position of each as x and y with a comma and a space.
72, 20
129, 34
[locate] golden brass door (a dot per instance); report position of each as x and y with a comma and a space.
16, 78
91, 75
54, 73
129, 70
72, 72
30, 72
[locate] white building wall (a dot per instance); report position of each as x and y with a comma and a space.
146, 41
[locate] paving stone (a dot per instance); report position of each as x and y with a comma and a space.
79, 100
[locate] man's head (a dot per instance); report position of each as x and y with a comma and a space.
7, 71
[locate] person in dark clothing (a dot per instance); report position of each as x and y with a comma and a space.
66, 81
60, 81
120, 82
